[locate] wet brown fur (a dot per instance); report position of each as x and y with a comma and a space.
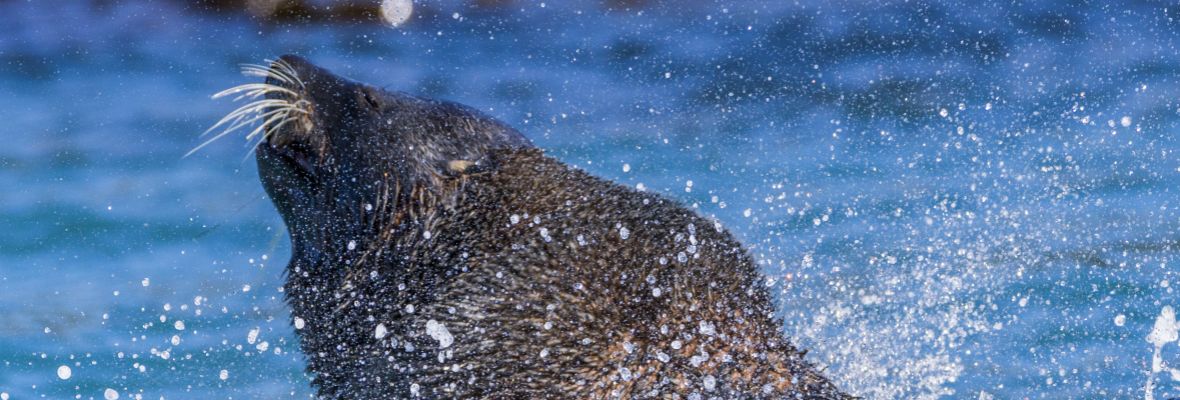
563, 317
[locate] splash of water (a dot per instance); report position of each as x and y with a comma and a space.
1165, 331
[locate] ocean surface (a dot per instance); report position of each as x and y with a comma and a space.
950, 199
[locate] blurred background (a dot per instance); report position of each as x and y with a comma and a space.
950, 199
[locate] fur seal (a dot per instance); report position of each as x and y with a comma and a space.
438, 254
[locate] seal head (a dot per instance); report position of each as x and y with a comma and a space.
350, 144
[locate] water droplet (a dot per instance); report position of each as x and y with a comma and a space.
396, 12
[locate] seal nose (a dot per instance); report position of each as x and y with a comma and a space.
310, 77
301, 69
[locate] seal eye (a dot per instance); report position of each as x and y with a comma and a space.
369, 99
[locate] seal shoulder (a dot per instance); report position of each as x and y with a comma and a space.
580, 285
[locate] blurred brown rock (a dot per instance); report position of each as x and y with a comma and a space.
305, 10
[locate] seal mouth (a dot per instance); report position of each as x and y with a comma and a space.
294, 154
277, 111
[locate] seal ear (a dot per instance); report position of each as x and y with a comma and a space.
367, 96
456, 168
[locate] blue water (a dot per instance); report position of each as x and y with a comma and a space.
951, 199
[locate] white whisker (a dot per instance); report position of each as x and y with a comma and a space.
262, 127
282, 66
245, 110
270, 73
277, 126
206, 143
264, 72
259, 116
269, 132
253, 90
264, 75
285, 68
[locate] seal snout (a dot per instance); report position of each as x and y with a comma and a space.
289, 77
280, 101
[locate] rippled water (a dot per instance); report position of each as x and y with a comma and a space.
951, 199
